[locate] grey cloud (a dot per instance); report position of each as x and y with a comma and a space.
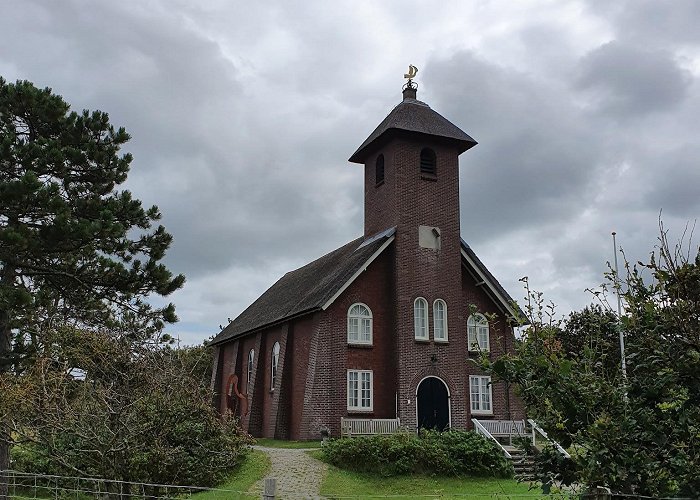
534, 159
243, 117
627, 81
652, 21
676, 186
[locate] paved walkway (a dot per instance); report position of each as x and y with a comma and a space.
298, 474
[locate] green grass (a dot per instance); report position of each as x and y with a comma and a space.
278, 443
343, 483
255, 466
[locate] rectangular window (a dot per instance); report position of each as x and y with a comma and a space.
478, 337
480, 391
360, 390
360, 330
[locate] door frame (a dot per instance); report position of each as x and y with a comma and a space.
449, 400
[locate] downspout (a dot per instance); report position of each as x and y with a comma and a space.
507, 384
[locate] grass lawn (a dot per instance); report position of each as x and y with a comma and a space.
253, 468
342, 483
278, 443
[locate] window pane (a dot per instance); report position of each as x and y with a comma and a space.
474, 385
353, 328
352, 389
366, 390
483, 337
366, 330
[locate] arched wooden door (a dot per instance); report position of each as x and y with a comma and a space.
433, 404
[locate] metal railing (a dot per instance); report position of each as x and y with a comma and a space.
23, 485
537, 429
478, 427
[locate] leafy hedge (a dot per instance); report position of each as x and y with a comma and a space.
451, 453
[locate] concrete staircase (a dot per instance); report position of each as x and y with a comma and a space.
523, 464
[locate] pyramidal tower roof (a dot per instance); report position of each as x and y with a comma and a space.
412, 117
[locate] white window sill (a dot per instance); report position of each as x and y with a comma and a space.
442, 341
482, 412
360, 410
355, 343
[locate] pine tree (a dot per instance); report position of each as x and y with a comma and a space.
72, 247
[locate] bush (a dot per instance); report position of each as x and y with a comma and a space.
451, 453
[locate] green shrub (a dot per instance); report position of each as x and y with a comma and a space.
451, 453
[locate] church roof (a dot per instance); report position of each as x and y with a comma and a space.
309, 288
414, 116
316, 285
495, 289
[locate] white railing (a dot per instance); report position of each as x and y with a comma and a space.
536, 428
478, 427
350, 427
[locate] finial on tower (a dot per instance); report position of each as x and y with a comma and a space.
410, 88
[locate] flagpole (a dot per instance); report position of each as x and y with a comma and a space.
618, 288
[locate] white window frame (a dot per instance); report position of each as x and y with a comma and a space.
356, 401
274, 362
436, 323
360, 323
477, 404
424, 326
476, 324
249, 375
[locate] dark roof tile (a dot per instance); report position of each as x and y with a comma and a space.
305, 290
415, 116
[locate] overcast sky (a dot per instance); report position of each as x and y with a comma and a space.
243, 115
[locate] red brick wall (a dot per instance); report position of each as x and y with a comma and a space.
428, 273
506, 405
268, 395
330, 356
296, 371
250, 421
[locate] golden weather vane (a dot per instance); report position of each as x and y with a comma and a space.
412, 72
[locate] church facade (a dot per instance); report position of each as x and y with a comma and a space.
389, 324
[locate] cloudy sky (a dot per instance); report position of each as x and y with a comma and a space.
243, 115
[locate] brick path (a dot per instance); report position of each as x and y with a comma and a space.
298, 474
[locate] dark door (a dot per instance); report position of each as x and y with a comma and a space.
433, 404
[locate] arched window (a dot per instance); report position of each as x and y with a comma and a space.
273, 365
478, 333
359, 324
420, 318
440, 320
251, 359
379, 170
427, 162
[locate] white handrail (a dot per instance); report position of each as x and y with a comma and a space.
482, 430
539, 429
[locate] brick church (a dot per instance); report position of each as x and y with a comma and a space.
384, 326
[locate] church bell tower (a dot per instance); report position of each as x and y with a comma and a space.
411, 164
